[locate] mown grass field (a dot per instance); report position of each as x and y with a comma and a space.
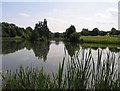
101, 39
87, 45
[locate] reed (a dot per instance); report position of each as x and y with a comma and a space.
75, 73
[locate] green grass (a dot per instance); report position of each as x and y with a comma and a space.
101, 39
98, 45
17, 38
79, 73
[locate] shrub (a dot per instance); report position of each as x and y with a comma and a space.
75, 37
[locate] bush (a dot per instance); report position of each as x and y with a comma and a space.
34, 36
75, 37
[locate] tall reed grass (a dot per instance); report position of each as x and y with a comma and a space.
77, 73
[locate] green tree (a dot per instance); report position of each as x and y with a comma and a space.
70, 30
114, 32
102, 33
75, 37
28, 32
43, 29
12, 33
57, 34
85, 32
19, 31
95, 32
34, 36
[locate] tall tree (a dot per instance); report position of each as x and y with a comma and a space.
70, 30
114, 32
43, 29
95, 32
34, 36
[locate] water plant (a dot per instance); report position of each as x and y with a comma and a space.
77, 72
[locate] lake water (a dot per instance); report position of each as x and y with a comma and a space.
46, 54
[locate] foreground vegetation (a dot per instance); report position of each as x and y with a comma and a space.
77, 73
101, 39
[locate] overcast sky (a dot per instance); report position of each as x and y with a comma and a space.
60, 15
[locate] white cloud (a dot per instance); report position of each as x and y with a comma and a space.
59, 20
113, 0
108, 18
24, 14
112, 11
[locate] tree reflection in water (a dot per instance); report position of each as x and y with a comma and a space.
41, 49
72, 48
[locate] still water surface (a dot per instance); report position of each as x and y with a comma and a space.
45, 54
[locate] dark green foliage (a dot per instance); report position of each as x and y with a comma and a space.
96, 31
43, 29
70, 30
20, 31
34, 36
28, 32
0, 29
102, 33
71, 34
11, 30
85, 32
12, 33
114, 32
5, 31
75, 37
57, 34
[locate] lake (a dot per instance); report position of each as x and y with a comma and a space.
47, 54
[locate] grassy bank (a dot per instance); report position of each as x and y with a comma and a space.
97, 45
101, 39
79, 73
11, 39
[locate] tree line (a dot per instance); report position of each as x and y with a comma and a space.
11, 30
96, 32
42, 32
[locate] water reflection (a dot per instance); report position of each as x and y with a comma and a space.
44, 54
12, 46
72, 48
41, 49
